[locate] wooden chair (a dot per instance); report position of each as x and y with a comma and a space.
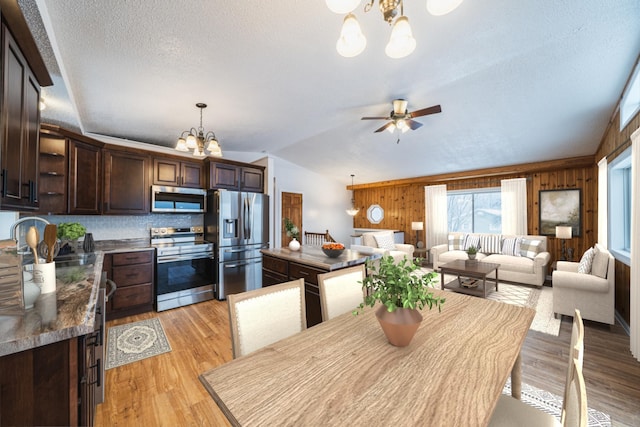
341, 291
317, 239
266, 315
512, 412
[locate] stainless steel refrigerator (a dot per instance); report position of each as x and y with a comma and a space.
237, 223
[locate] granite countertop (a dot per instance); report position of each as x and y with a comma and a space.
66, 313
313, 256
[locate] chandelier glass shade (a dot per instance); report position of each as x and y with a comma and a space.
352, 211
202, 144
352, 41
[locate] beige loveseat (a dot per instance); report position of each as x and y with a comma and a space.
517, 264
592, 292
382, 242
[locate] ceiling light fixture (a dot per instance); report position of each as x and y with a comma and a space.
352, 211
195, 139
401, 43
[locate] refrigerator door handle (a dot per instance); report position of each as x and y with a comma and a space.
241, 264
247, 218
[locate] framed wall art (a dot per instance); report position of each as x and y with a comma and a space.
560, 207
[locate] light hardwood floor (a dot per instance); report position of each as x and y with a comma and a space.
165, 391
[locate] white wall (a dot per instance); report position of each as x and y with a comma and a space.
6, 219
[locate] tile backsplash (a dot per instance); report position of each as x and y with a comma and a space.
115, 227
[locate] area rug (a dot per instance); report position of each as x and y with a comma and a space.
552, 404
135, 341
540, 299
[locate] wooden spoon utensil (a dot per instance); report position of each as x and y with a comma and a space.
32, 242
50, 237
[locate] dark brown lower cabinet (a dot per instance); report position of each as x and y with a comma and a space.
41, 386
133, 274
277, 270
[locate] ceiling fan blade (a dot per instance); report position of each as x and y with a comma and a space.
375, 118
383, 127
413, 124
426, 111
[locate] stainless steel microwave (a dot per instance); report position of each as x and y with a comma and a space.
178, 199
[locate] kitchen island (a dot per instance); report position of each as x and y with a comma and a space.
50, 365
282, 265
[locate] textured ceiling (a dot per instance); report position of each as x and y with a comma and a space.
518, 81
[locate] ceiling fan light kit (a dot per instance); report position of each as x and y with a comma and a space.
401, 119
195, 140
401, 43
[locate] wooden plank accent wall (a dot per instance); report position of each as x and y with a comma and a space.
404, 203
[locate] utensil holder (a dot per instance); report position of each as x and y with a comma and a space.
44, 275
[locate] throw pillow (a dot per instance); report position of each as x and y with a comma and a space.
471, 240
530, 248
586, 261
511, 246
456, 242
491, 243
600, 263
385, 241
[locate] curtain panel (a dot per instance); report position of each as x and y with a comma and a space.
436, 227
514, 205
603, 199
635, 245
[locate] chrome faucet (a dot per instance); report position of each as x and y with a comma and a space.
15, 225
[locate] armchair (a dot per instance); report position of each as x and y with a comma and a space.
592, 293
382, 243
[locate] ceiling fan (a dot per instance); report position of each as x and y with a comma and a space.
401, 119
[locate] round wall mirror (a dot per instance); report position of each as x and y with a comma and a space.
375, 214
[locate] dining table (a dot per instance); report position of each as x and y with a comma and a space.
344, 371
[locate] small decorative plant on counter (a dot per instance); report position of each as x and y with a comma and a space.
403, 290
291, 229
69, 233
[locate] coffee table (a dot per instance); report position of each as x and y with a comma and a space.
473, 274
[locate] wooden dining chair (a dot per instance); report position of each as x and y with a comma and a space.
266, 315
341, 291
512, 412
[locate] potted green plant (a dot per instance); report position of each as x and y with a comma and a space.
403, 292
472, 251
292, 231
69, 233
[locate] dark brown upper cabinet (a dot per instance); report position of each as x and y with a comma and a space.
178, 173
126, 182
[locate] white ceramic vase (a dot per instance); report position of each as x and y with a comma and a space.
294, 245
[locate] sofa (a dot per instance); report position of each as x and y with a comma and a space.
588, 285
382, 242
523, 259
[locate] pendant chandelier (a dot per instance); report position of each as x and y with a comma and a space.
197, 141
352, 211
401, 43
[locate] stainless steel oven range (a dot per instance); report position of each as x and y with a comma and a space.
185, 266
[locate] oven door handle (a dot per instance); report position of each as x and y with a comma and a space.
182, 258
242, 264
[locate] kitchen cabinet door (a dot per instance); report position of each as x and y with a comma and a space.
133, 273
85, 178
20, 120
173, 172
224, 176
252, 179
126, 182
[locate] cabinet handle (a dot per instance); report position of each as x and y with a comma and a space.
4, 182
32, 191
303, 273
97, 366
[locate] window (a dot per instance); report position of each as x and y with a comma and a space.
620, 206
630, 103
475, 211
